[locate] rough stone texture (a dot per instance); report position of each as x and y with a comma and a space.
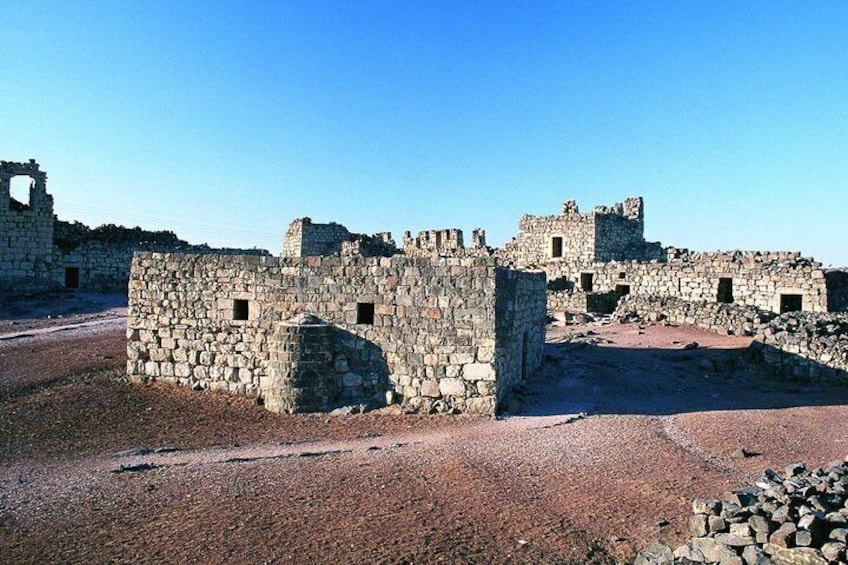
605, 234
37, 250
794, 518
807, 347
731, 319
306, 239
26, 229
463, 323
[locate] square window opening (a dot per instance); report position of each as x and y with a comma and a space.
622, 289
72, 277
365, 313
241, 309
725, 290
587, 282
622, 275
556, 247
790, 303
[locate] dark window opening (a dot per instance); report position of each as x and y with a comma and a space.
586, 280
790, 303
19, 193
725, 290
622, 275
622, 289
241, 309
365, 313
438, 239
72, 277
556, 247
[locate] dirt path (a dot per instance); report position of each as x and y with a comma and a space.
605, 450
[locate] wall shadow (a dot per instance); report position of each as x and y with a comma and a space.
54, 303
366, 361
583, 377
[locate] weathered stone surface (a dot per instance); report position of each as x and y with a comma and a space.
799, 556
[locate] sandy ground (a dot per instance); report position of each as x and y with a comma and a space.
606, 448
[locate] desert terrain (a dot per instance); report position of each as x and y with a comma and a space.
599, 454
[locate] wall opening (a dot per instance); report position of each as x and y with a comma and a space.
586, 280
524, 340
365, 313
19, 193
556, 247
622, 275
622, 289
438, 239
790, 303
725, 290
241, 309
72, 277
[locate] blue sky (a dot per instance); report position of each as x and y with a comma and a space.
224, 121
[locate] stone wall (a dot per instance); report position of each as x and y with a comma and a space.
728, 319
753, 279
421, 328
26, 230
606, 234
306, 239
806, 347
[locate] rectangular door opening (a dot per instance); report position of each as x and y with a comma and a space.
725, 290
586, 282
72, 277
556, 247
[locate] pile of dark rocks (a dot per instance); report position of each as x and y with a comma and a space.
799, 517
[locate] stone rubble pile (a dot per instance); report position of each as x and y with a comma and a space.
732, 319
799, 517
804, 346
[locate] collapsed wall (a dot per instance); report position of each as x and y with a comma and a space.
306, 239
805, 347
730, 319
438, 333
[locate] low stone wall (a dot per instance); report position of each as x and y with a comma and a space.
806, 347
423, 328
790, 518
722, 318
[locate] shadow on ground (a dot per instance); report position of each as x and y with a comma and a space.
582, 377
57, 303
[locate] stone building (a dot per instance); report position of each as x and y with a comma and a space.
39, 252
593, 259
310, 333
26, 229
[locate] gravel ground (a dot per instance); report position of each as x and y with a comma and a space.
606, 448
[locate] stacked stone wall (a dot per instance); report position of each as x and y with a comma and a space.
757, 279
434, 242
428, 333
728, 319
306, 239
520, 313
26, 230
806, 347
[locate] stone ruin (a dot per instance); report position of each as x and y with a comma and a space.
40, 252
592, 262
799, 516
434, 334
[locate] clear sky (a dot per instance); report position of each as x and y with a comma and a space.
223, 121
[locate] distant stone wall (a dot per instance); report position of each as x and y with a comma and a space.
806, 347
753, 279
306, 239
422, 329
609, 233
728, 319
26, 230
